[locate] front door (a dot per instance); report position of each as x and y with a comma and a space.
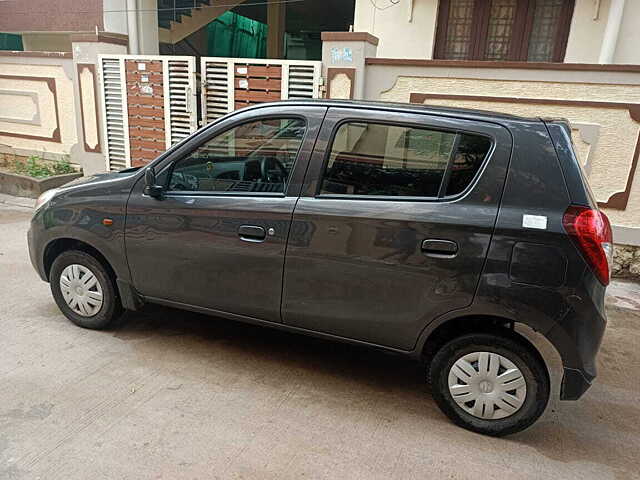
394, 223
216, 238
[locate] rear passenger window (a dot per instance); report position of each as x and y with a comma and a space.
471, 152
390, 160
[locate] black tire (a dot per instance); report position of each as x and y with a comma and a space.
519, 353
111, 308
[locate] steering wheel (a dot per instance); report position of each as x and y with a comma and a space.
272, 170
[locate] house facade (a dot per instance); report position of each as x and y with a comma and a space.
568, 31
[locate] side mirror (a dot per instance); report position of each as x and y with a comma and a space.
151, 188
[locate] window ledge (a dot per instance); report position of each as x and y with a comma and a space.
514, 65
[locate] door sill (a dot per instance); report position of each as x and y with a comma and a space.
276, 325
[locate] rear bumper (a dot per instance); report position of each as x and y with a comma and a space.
577, 337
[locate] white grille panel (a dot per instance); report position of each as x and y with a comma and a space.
114, 108
303, 81
180, 90
215, 90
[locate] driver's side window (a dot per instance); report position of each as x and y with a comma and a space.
256, 156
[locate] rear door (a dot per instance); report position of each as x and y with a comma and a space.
393, 224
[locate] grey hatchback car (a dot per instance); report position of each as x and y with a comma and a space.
464, 239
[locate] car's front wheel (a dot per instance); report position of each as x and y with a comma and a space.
84, 290
489, 383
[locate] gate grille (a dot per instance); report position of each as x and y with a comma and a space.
114, 111
215, 90
303, 81
148, 101
232, 83
147, 105
181, 87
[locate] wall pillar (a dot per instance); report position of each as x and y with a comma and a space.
343, 62
90, 149
276, 17
137, 19
132, 26
148, 34
611, 32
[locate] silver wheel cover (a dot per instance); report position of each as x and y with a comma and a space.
81, 290
487, 385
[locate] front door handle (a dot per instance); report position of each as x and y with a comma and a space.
439, 248
251, 233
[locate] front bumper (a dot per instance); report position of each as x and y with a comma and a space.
35, 251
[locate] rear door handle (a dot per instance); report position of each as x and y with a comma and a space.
439, 248
251, 233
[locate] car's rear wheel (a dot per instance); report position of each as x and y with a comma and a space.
489, 383
83, 290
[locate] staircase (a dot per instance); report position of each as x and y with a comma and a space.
177, 19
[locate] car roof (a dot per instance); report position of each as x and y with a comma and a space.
467, 113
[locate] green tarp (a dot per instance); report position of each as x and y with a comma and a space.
232, 35
9, 41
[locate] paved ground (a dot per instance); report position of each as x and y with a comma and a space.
174, 395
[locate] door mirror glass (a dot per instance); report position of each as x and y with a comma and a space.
151, 187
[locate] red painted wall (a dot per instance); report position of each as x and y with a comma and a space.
50, 15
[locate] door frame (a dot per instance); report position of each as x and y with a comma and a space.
262, 203
337, 116
310, 207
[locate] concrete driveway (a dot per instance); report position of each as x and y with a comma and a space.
170, 395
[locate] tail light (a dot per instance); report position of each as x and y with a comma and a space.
591, 232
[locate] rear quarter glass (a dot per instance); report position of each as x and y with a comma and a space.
583, 174
575, 178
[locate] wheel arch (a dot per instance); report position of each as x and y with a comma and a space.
55, 247
436, 335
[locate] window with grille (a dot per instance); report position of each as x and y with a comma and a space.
459, 30
500, 30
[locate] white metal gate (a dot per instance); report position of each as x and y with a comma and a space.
148, 104
232, 83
